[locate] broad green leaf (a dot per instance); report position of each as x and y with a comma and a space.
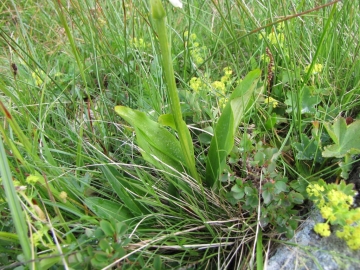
225, 129
48, 260
308, 101
107, 228
280, 186
296, 198
105, 245
308, 149
345, 137
158, 145
267, 196
167, 120
107, 209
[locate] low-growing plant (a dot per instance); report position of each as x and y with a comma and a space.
335, 204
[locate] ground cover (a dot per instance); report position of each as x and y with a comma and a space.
132, 142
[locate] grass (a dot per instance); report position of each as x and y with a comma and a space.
88, 197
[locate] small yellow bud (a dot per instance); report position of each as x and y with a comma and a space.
63, 195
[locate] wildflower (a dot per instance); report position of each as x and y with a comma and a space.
138, 43
227, 71
317, 69
262, 35
196, 84
354, 241
272, 101
193, 36
220, 86
314, 190
264, 57
38, 76
281, 26
32, 179
345, 233
37, 237
176, 3
222, 102
276, 38
323, 229
327, 213
238, 82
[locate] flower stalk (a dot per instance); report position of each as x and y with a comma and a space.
159, 18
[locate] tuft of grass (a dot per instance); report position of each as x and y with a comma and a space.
76, 187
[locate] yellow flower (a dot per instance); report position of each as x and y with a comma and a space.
262, 35
32, 179
272, 101
222, 102
196, 84
276, 38
265, 58
138, 43
281, 26
227, 71
193, 36
327, 213
323, 229
354, 242
317, 69
38, 76
314, 190
345, 233
220, 86
63, 195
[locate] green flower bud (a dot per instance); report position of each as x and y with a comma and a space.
157, 9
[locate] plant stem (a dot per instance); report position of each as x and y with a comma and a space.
159, 16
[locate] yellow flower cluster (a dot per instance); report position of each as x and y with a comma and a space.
274, 38
196, 51
38, 76
139, 43
197, 84
218, 87
315, 190
334, 207
272, 101
317, 69
351, 234
323, 229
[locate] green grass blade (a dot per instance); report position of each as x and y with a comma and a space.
121, 188
14, 205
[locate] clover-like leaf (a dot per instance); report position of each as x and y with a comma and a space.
346, 138
308, 149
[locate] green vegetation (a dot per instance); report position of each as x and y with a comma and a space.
137, 135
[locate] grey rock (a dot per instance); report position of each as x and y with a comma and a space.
308, 250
